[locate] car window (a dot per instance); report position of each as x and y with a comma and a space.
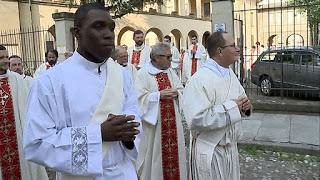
269, 57
290, 57
308, 58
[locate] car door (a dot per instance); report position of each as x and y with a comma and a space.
290, 68
310, 70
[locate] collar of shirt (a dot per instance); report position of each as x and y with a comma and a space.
91, 66
138, 48
153, 70
216, 68
4, 75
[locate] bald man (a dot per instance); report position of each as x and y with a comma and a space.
121, 55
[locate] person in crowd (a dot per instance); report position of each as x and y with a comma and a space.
162, 153
51, 61
213, 103
139, 54
13, 95
83, 117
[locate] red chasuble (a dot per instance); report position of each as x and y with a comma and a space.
169, 139
194, 60
9, 153
135, 57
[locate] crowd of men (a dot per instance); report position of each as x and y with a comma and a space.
94, 117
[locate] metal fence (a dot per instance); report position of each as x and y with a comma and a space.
279, 48
28, 43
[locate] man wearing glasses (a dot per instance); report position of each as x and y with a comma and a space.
213, 104
162, 153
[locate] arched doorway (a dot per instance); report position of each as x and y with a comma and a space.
295, 40
125, 36
205, 36
176, 38
153, 36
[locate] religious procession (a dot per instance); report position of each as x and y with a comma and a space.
113, 112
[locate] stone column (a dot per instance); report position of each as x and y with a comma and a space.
64, 38
199, 8
222, 15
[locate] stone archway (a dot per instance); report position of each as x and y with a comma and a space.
295, 40
125, 30
205, 36
153, 35
177, 38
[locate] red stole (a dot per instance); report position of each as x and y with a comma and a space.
194, 60
135, 60
169, 139
9, 153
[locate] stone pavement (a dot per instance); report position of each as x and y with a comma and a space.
299, 132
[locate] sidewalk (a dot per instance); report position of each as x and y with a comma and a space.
293, 132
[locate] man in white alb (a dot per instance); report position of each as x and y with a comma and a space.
193, 59
83, 117
213, 103
16, 65
139, 54
175, 61
121, 56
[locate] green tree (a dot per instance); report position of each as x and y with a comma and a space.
120, 8
312, 9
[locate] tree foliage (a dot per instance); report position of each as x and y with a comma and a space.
120, 8
312, 9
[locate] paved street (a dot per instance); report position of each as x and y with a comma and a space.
293, 130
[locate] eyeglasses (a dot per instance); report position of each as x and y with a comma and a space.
167, 56
231, 45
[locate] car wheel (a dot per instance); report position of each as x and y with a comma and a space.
266, 85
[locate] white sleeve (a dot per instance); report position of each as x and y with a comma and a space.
50, 140
131, 107
202, 114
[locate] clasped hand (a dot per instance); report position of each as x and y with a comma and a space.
243, 103
169, 93
119, 128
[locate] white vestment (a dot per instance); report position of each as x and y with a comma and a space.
19, 92
65, 110
214, 118
144, 56
41, 69
149, 163
200, 55
132, 70
28, 80
175, 61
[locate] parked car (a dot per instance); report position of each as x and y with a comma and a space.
294, 68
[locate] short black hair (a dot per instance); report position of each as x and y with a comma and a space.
15, 56
53, 51
167, 37
83, 10
215, 41
2, 47
137, 32
194, 36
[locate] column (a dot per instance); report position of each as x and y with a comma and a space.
64, 38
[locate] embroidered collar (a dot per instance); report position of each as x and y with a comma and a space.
153, 70
216, 68
138, 48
